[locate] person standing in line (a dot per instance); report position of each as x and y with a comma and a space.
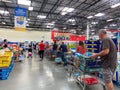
41, 51
55, 46
63, 49
79, 49
108, 56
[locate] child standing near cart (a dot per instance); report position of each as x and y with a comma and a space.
29, 51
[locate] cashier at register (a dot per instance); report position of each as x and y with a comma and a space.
108, 56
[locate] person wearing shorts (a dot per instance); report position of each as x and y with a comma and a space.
108, 56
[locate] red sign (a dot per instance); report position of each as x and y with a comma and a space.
57, 35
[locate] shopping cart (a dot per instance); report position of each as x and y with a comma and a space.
58, 58
89, 66
52, 55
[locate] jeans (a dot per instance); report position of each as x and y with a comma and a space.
64, 59
41, 53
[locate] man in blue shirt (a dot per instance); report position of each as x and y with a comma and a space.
63, 49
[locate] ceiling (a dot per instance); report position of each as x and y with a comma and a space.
52, 9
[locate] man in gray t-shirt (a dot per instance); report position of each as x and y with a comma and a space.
108, 56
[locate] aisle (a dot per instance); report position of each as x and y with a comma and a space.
36, 75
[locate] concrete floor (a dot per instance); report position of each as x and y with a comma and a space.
35, 75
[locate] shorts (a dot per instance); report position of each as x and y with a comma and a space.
108, 74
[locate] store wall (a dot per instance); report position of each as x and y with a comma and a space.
12, 35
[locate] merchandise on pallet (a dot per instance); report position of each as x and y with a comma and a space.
6, 64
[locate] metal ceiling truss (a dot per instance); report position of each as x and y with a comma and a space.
50, 8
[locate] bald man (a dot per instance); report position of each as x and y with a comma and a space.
108, 56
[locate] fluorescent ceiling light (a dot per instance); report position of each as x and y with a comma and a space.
99, 14
53, 22
63, 13
50, 24
113, 25
64, 28
73, 23
71, 20
94, 23
7, 1
24, 2
109, 20
93, 33
90, 17
41, 16
4, 12
30, 8
92, 30
115, 5
67, 10
3, 23
70, 10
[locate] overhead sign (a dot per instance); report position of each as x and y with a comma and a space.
20, 19
57, 36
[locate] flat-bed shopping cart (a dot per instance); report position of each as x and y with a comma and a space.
89, 66
84, 74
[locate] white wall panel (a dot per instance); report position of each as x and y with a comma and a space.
12, 35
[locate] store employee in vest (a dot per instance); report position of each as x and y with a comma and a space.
108, 56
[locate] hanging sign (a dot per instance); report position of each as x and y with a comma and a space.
20, 19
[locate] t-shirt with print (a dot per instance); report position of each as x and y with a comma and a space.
109, 60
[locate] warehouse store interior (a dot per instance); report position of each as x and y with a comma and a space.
57, 44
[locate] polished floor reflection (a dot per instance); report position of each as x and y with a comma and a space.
32, 74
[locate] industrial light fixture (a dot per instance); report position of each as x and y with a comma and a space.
73, 23
113, 25
30, 8
99, 14
41, 16
24, 2
93, 30
94, 23
63, 13
50, 24
4, 12
64, 28
71, 20
3, 23
53, 22
93, 33
115, 5
90, 17
67, 10
109, 20
7, 1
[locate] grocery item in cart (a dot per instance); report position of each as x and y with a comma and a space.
88, 80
